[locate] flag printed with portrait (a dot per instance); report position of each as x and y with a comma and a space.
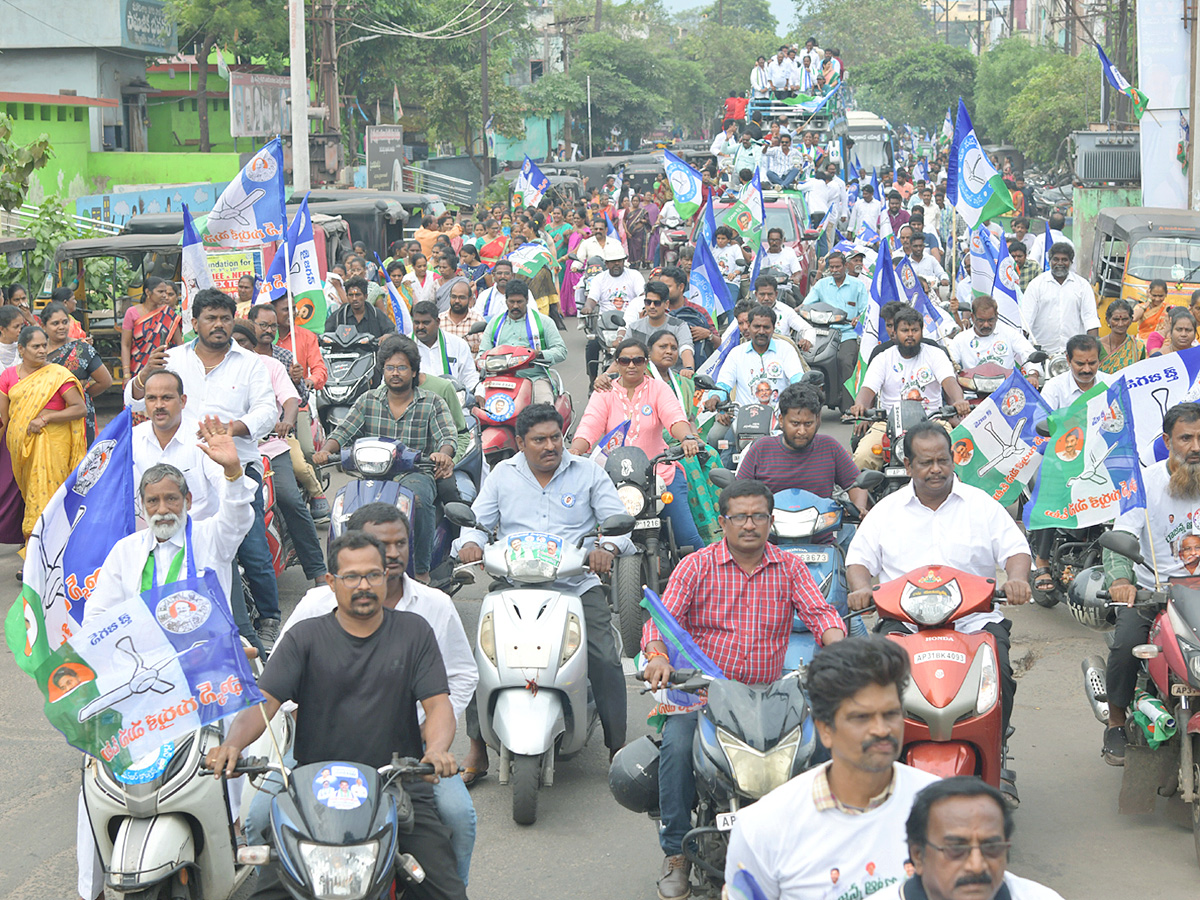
531, 185
973, 186
88, 514
682, 653
610, 442
1155, 385
295, 266
250, 211
994, 274
870, 326
686, 185
937, 326
1090, 472
401, 304
748, 213
995, 448
1139, 100
529, 259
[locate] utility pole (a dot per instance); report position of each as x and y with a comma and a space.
328, 77
1193, 113
979, 27
483, 91
720, 13
599, 6
301, 177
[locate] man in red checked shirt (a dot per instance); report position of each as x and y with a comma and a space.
736, 599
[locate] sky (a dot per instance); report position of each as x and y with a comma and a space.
784, 10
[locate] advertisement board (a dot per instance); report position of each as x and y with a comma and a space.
259, 104
385, 157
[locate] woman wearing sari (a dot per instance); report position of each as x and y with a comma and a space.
77, 357
447, 267
66, 297
41, 413
573, 270
637, 231
558, 229
151, 324
1149, 313
1119, 348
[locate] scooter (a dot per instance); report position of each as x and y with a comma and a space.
506, 392
604, 327
952, 704
981, 381
750, 739
1168, 695
823, 356
800, 519
334, 830
350, 357
531, 649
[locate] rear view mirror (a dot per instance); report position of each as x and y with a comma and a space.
814, 377
704, 382
1037, 356
460, 514
722, 478
1123, 544
869, 480
621, 523
478, 327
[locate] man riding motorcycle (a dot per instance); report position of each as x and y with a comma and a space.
990, 341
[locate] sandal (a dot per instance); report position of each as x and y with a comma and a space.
1043, 581
477, 775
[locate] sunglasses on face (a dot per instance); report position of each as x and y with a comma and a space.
631, 360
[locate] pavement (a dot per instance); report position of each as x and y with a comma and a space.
584, 846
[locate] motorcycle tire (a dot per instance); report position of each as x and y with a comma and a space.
627, 583
526, 779
1195, 739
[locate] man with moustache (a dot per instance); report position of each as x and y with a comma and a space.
1172, 512
459, 318
442, 354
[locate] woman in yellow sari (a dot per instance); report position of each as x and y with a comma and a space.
42, 416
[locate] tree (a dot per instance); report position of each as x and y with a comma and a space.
450, 119
1001, 74
626, 82
1053, 103
17, 163
912, 88
751, 15
864, 31
554, 93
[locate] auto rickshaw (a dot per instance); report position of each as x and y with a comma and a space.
1135, 245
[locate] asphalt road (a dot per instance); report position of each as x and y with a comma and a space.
1069, 834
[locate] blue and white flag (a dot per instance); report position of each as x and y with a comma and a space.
250, 211
937, 326
1006, 289
708, 281
296, 267
973, 186
708, 224
867, 234
610, 442
618, 186
610, 228
686, 185
194, 273
531, 185
712, 366
875, 182
1048, 242
1155, 385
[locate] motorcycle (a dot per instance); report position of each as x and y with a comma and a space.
534, 703
952, 704
378, 462
801, 518
506, 392
350, 358
750, 739
981, 381
823, 356
1168, 694
334, 830
604, 327
644, 494
899, 419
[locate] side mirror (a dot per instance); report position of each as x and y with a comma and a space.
622, 523
478, 327
1037, 356
704, 382
1121, 543
815, 377
722, 478
869, 480
460, 514
1042, 428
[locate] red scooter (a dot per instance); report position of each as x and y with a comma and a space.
952, 708
506, 392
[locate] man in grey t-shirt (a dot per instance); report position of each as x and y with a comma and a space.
656, 319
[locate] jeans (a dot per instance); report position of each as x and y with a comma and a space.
786, 180
255, 557
604, 671
679, 513
454, 807
1133, 628
297, 518
676, 782
423, 522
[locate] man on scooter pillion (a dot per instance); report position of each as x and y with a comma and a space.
546, 489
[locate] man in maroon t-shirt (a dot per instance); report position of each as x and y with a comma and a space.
800, 457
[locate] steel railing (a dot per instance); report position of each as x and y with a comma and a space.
20, 220
423, 181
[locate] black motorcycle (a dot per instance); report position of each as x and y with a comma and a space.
823, 356
899, 419
350, 357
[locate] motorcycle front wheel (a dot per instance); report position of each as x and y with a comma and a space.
526, 779
627, 583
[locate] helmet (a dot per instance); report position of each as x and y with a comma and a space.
613, 251
1084, 603
633, 775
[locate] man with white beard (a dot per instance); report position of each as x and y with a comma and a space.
1172, 513
152, 555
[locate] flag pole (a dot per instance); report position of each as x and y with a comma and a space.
287, 280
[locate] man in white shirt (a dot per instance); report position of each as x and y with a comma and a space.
784, 163
867, 210
780, 72
924, 264
780, 257
748, 156
1059, 304
166, 439
948, 821
1083, 357
788, 322
938, 520
760, 80
909, 370
724, 145
618, 287
928, 207
990, 341
491, 302
836, 194
836, 830
389, 526
1037, 248
442, 354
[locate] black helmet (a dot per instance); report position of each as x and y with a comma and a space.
633, 775
1084, 603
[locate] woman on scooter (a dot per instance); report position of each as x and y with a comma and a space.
648, 406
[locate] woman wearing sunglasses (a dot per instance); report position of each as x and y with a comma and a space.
649, 406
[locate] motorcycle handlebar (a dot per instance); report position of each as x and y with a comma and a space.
251, 765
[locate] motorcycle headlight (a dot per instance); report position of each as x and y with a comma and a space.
756, 774
633, 498
989, 384
337, 391
930, 607
1058, 365
487, 637
572, 635
339, 872
1193, 659
373, 459
989, 681
497, 363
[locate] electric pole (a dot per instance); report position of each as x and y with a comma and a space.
301, 178
483, 92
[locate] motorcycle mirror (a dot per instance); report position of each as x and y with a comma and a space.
869, 480
1043, 428
1037, 356
460, 514
722, 478
814, 377
703, 381
478, 327
619, 524
1121, 543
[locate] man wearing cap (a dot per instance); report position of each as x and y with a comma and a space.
618, 288
850, 296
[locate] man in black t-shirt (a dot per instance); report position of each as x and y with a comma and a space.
356, 676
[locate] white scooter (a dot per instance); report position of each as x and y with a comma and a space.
165, 829
531, 649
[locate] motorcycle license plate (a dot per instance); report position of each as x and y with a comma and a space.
1184, 690
895, 472
725, 821
809, 556
497, 383
647, 523
527, 655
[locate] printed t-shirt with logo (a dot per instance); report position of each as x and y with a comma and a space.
894, 378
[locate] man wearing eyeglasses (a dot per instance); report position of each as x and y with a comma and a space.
959, 834
736, 599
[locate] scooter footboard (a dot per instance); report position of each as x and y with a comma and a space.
528, 723
146, 851
943, 758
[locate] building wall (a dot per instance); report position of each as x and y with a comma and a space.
533, 144
69, 129
139, 25
110, 169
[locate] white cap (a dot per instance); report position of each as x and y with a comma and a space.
613, 250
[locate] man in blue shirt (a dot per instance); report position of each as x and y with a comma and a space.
546, 489
850, 296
